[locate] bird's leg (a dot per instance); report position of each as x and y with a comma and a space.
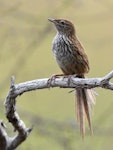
69, 80
70, 76
52, 78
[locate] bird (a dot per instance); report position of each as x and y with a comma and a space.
73, 60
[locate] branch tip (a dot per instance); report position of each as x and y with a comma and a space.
30, 129
2, 124
12, 81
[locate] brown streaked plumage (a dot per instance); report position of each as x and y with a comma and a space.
72, 59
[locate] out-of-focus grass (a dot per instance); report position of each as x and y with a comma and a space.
25, 52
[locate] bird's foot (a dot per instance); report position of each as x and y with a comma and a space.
69, 77
52, 78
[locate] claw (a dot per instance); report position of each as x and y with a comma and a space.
52, 78
69, 77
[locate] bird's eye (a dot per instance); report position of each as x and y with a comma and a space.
62, 22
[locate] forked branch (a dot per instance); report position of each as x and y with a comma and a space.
18, 89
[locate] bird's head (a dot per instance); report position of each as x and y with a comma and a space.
64, 27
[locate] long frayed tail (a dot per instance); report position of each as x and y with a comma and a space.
85, 99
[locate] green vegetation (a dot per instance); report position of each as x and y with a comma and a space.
25, 52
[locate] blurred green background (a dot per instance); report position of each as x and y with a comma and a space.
25, 52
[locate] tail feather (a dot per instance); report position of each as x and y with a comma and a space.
87, 108
80, 112
84, 102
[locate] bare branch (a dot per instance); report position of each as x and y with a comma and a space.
72, 82
13, 117
18, 89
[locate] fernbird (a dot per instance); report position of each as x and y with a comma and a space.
72, 60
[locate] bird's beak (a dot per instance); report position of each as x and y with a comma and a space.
51, 20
